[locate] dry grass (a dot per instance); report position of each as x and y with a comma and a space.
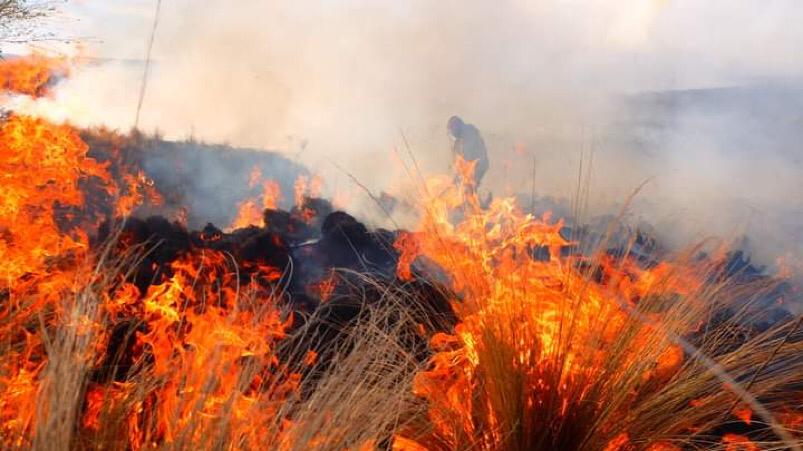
364, 395
353, 401
685, 407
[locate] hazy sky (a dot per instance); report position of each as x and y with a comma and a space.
690, 42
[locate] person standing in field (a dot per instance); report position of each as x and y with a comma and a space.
468, 143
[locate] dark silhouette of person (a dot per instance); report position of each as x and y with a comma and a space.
469, 144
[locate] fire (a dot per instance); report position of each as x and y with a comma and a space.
743, 413
305, 187
407, 246
198, 361
42, 258
543, 344
31, 75
326, 287
139, 190
271, 195
185, 347
41, 165
254, 177
249, 212
200, 338
735, 442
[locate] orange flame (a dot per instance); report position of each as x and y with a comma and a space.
736, 442
305, 187
509, 300
201, 336
41, 165
41, 257
250, 214
31, 75
300, 189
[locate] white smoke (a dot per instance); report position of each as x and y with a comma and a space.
342, 80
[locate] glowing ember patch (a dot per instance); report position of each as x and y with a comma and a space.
792, 420
663, 446
669, 361
736, 442
619, 443
324, 288
404, 444
743, 413
310, 358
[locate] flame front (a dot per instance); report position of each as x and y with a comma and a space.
190, 358
31, 75
547, 353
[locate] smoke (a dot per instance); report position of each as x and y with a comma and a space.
338, 85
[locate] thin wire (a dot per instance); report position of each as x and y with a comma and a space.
144, 84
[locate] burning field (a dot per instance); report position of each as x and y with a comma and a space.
487, 326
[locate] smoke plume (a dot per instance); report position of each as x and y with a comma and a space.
701, 98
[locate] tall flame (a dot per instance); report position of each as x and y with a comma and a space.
200, 355
546, 354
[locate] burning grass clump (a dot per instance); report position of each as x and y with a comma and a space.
484, 328
596, 351
215, 389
